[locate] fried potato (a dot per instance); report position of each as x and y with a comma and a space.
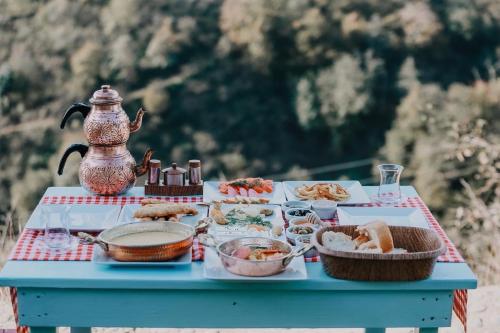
326, 191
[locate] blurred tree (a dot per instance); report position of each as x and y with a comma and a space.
260, 87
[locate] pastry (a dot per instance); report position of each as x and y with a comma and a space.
164, 210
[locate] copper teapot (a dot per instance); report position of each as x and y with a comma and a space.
106, 170
105, 121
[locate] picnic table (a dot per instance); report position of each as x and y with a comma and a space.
81, 295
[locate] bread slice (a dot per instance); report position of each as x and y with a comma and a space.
379, 235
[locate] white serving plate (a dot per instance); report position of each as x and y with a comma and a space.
407, 217
127, 214
211, 193
358, 194
81, 217
223, 233
214, 270
100, 257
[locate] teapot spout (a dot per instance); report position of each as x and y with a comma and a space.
142, 168
136, 124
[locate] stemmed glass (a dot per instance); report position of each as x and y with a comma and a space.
389, 191
57, 236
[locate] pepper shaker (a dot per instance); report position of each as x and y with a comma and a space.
154, 172
194, 172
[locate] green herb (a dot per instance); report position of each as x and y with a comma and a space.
234, 217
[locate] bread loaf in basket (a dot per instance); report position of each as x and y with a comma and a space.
423, 245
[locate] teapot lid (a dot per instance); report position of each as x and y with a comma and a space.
174, 170
105, 95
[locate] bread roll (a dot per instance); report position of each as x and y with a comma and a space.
379, 234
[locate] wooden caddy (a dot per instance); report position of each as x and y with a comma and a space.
173, 190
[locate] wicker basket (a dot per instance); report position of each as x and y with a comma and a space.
424, 247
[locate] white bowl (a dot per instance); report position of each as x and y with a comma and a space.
295, 204
292, 236
325, 209
289, 213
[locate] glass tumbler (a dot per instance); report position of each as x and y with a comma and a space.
389, 191
56, 220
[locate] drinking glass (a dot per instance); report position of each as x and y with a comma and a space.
389, 192
56, 220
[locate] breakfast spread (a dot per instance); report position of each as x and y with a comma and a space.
328, 191
244, 217
374, 237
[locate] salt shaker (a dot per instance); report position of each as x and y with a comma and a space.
154, 172
194, 172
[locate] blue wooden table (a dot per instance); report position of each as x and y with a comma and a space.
83, 295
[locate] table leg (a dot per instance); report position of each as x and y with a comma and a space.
37, 329
428, 330
81, 329
374, 330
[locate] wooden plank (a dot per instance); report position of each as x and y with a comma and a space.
233, 309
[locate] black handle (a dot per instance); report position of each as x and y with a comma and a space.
82, 149
84, 109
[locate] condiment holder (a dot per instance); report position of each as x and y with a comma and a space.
174, 180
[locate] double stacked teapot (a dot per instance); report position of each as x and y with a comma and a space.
107, 167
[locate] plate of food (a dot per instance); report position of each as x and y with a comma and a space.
230, 221
404, 217
88, 217
244, 191
344, 192
213, 269
161, 210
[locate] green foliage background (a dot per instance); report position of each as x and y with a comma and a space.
259, 87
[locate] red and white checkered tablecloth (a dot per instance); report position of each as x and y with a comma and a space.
106, 200
28, 246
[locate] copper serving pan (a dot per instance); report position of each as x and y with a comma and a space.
253, 268
157, 252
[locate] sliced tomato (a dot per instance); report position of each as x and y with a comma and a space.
258, 189
268, 188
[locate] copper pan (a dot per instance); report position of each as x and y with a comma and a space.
158, 252
255, 268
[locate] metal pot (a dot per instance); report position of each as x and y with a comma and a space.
253, 267
158, 252
105, 121
107, 170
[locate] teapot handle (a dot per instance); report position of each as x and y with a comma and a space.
84, 109
82, 149
142, 168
